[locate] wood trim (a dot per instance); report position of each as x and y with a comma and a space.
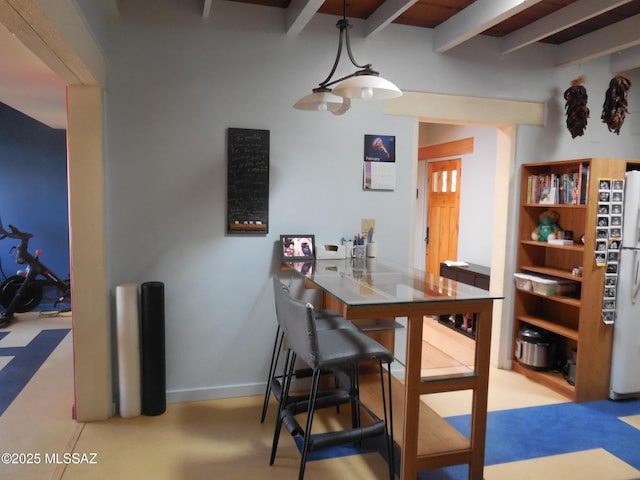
447, 149
458, 110
52, 43
90, 289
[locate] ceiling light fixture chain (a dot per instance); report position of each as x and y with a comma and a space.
344, 25
364, 83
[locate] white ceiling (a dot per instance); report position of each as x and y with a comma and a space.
28, 85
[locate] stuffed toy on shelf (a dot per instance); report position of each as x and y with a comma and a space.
548, 228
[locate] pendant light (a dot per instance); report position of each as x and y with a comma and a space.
365, 83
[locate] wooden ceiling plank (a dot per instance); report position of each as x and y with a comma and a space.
569, 16
607, 40
45, 38
24, 32
473, 20
386, 14
299, 14
206, 9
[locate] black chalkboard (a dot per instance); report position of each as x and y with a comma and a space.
247, 180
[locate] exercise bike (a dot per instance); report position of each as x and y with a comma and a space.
23, 293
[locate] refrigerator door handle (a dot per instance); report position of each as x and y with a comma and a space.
636, 277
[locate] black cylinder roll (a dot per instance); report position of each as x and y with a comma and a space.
152, 337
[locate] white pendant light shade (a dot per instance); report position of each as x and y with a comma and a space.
319, 102
365, 83
367, 87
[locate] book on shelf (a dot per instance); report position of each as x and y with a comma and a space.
568, 188
584, 183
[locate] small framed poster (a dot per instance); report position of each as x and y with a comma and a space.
379, 171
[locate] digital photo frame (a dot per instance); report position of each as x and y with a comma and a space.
297, 248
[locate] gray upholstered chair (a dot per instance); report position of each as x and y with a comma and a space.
322, 351
325, 320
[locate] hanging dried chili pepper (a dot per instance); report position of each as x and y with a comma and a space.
576, 107
614, 109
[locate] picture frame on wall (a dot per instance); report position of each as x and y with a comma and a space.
297, 248
379, 172
379, 148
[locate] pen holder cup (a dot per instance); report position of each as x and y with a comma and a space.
359, 252
371, 249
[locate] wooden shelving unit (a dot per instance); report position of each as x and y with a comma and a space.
470, 274
575, 319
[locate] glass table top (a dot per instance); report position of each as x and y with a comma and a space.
376, 281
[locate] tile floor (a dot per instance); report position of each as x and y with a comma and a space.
223, 439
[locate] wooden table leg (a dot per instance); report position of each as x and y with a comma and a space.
409, 453
480, 394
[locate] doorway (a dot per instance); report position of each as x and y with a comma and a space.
443, 213
83, 75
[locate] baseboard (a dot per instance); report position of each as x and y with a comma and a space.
215, 393
246, 390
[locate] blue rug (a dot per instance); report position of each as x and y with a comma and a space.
535, 432
25, 363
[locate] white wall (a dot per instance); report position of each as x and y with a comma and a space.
175, 83
536, 145
172, 94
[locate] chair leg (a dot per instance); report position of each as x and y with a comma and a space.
289, 365
355, 396
310, 413
275, 355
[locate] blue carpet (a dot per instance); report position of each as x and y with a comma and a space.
535, 432
25, 363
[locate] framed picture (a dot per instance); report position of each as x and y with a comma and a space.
297, 248
379, 148
379, 172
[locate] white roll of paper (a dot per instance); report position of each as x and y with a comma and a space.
128, 342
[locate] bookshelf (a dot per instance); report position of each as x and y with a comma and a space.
570, 187
574, 320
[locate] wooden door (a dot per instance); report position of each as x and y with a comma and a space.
443, 211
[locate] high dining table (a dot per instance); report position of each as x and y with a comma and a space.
378, 288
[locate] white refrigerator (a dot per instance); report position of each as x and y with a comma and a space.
625, 359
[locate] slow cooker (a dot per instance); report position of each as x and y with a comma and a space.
535, 349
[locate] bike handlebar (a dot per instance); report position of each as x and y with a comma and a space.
14, 233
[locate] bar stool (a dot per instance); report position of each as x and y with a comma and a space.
322, 350
325, 320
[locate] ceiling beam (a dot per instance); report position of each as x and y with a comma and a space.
52, 43
607, 40
206, 9
299, 14
455, 109
385, 14
557, 21
475, 19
